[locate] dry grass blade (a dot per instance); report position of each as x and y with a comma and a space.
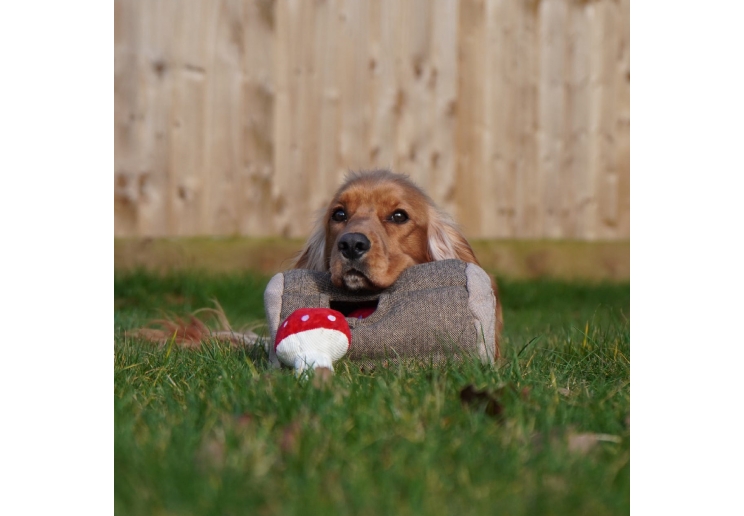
218, 313
584, 442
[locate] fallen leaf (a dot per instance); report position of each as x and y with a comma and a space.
243, 421
475, 398
211, 454
290, 437
555, 483
322, 377
524, 393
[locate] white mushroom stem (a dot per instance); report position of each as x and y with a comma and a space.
312, 358
317, 347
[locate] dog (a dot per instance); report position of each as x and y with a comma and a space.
378, 224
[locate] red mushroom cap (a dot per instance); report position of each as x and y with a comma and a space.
310, 319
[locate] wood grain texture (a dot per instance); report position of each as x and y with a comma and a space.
240, 117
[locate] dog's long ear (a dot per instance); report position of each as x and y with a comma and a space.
445, 239
313, 255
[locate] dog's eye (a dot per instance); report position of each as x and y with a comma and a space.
339, 215
399, 216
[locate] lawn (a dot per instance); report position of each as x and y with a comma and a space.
217, 431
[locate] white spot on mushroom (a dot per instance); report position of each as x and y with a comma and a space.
284, 325
305, 317
331, 317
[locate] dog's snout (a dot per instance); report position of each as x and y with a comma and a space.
354, 245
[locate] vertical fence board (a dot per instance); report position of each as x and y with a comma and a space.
413, 68
577, 123
527, 65
384, 91
289, 189
156, 83
497, 215
470, 114
223, 117
440, 161
604, 44
552, 108
255, 193
126, 91
327, 100
353, 84
622, 128
189, 138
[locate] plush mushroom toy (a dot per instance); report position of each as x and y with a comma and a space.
312, 337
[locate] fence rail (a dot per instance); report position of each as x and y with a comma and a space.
240, 117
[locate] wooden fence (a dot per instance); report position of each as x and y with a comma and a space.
240, 117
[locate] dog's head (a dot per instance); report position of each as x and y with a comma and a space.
377, 225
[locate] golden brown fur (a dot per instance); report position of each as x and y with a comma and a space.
402, 227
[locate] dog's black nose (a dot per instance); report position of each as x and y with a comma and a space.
353, 245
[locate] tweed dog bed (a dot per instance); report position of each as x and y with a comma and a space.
434, 311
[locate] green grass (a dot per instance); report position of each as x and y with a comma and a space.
217, 431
